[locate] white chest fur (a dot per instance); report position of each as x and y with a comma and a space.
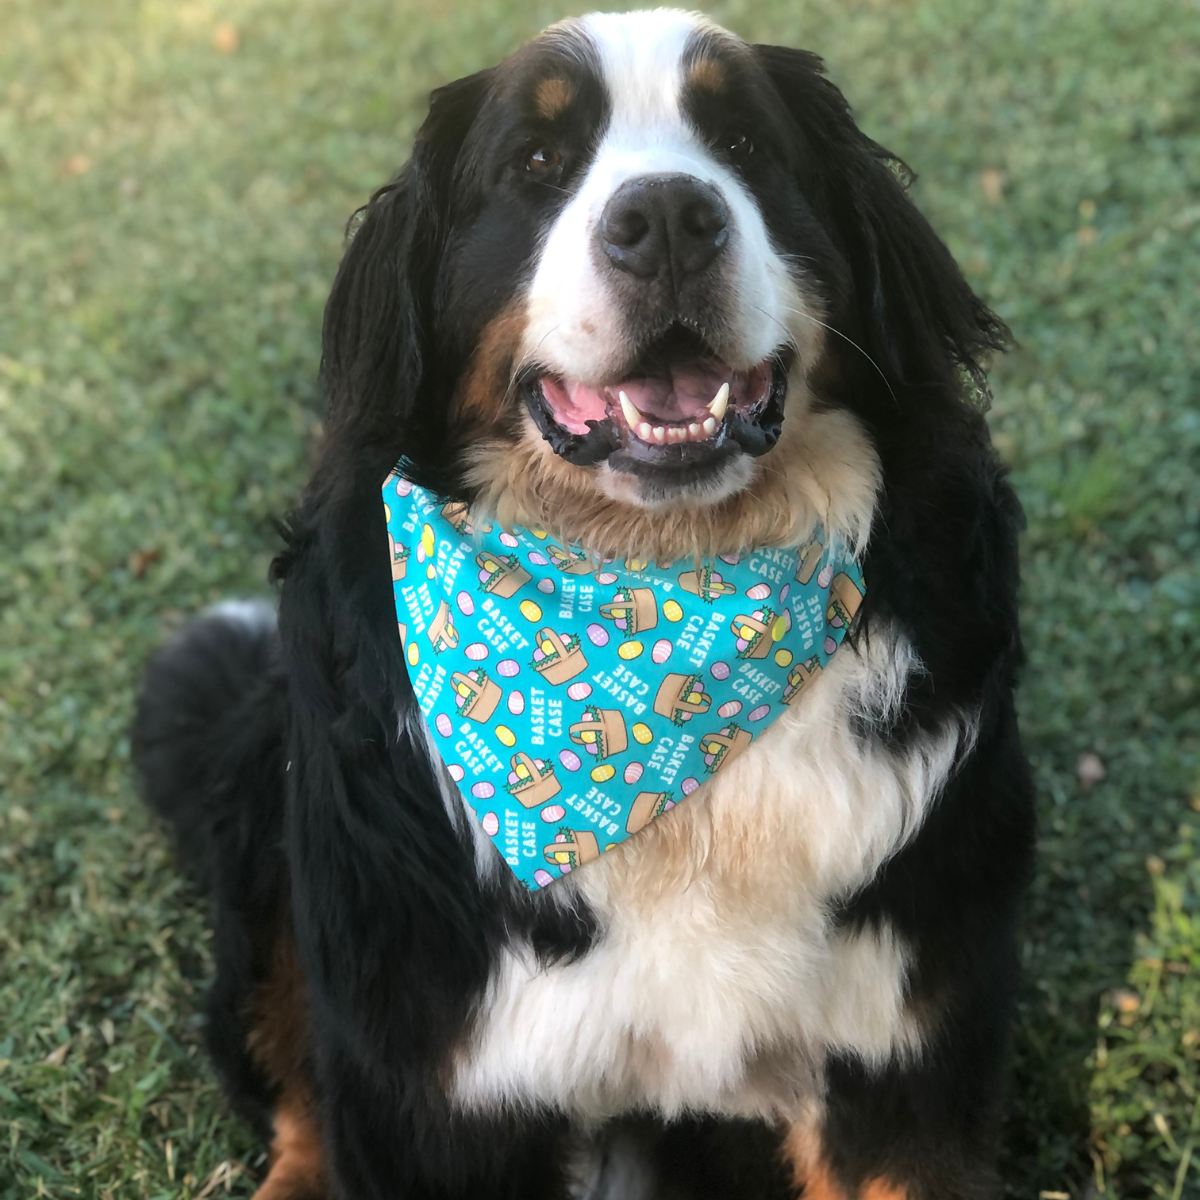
718, 982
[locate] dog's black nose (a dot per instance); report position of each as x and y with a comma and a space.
657, 225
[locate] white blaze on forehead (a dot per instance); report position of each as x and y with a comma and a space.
576, 325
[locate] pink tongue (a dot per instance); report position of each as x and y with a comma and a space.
682, 397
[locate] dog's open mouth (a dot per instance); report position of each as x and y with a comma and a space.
680, 407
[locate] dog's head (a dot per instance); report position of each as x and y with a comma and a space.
644, 283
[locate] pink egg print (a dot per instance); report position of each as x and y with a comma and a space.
546, 586
730, 708
507, 539
483, 791
541, 878
689, 785
403, 487
456, 772
476, 652
760, 591
826, 574
553, 812
466, 605
491, 824
443, 726
569, 759
597, 634
662, 650
720, 670
516, 703
538, 558
784, 593
579, 690
757, 714
731, 559
633, 772
830, 645
420, 552
508, 667
606, 578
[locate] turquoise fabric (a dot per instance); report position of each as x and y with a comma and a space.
572, 701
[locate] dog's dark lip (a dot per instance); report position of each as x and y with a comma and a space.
753, 431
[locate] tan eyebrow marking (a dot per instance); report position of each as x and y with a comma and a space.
707, 73
552, 97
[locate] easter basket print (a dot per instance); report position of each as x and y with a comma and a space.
645, 807
441, 630
399, 559
801, 674
753, 633
706, 583
844, 599
721, 748
681, 697
810, 556
571, 848
501, 574
602, 731
568, 561
531, 781
558, 659
632, 611
476, 696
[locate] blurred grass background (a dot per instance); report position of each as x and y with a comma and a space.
174, 180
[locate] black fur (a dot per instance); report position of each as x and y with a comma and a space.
397, 932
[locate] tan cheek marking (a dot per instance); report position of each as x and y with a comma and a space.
707, 73
802, 1151
485, 385
297, 1163
552, 98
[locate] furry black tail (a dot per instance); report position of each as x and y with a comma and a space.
208, 746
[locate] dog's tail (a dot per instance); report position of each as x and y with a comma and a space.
208, 744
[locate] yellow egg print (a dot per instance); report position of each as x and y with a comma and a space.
427, 540
783, 658
603, 774
414, 655
430, 572
779, 628
530, 611
673, 610
387, 513
540, 534
507, 736
630, 649
641, 733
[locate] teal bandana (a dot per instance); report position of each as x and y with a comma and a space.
573, 701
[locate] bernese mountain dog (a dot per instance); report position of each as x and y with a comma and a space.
649, 286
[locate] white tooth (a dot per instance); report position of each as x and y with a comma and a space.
694, 430
660, 434
709, 426
720, 400
678, 433
633, 418
644, 431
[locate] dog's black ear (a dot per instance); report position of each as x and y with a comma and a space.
376, 361
914, 307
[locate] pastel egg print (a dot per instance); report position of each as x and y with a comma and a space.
597, 634
730, 708
552, 813
414, 655
403, 486
642, 733
784, 593
783, 658
628, 650
830, 645
538, 558
633, 772
757, 714
506, 735
760, 591
427, 540
546, 586
672, 610
508, 667
720, 670
507, 539
570, 760
826, 575
603, 773
606, 578
476, 652
490, 823
456, 772
542, 877
689, 785
662, 650
466, 605
530, 611
443, 725
580, 690
516, 703
482, 791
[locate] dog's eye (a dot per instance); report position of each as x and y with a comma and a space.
739, 144
543, 160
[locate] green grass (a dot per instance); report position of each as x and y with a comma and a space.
171, 210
